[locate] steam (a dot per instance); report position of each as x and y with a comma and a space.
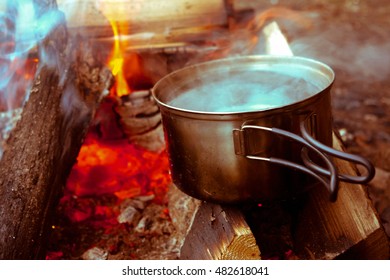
347, 51
276, 42
246, 91
334, 43
257, 89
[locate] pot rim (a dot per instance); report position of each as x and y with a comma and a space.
242, 62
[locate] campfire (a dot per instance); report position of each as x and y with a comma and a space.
118, 186
85, 172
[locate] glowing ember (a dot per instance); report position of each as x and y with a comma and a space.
112, 177
108, 175
119, 168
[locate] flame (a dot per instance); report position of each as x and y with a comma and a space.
110, 170
125, 66
116, 62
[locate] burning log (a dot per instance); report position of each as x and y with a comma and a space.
45, 142
210, 231
141, 120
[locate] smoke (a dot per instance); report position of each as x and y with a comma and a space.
23, 26
82, 13
22, 29
360, 53
346, 50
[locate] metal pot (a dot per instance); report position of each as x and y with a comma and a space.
273, 129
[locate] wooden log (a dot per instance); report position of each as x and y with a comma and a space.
153, 24
45, 142
8, 120
347, 229
139, 112
140, 120
146, 16
311, 227
208, 231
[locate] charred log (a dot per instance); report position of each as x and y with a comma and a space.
140, 120
42, 148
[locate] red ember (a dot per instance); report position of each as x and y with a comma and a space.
118, 167
106, 175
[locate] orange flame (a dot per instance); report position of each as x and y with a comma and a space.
125, 66
116, 61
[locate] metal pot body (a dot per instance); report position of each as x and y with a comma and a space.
208, 151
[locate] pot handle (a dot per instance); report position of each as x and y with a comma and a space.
311, 168
331, 184
338, 154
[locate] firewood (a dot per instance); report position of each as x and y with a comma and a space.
44, 145
140, 120
144, 16
8, 120
346, 229
313, 227
209, 231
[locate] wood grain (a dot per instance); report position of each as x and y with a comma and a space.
347, 228
208, 231
313, 226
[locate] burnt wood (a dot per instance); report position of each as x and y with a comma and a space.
45, 142
140, 120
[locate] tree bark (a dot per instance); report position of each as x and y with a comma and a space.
42, 148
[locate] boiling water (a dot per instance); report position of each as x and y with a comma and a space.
245, 92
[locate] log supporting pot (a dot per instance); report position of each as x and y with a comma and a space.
252, 128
